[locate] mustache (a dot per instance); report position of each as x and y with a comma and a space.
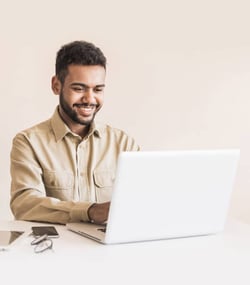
92, 105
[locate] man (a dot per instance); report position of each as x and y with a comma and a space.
63, 169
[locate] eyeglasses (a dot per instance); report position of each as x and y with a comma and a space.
42, 243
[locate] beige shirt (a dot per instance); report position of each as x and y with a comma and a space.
56, 175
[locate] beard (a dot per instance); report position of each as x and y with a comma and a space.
73, 115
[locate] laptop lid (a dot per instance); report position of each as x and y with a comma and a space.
170, 194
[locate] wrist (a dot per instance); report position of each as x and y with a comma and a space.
89, 213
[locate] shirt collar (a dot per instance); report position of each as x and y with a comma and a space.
60, 129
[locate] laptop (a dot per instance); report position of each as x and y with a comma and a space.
167, 194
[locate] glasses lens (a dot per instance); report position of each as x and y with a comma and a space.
44, 245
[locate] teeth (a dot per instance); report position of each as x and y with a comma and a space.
87, 107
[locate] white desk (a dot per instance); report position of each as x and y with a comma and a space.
217, 259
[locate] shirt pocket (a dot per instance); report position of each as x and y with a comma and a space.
103, 180
59, 184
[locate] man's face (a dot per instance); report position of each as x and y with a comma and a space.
81, 95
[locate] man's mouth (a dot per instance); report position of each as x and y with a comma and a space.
86, 106
85, 109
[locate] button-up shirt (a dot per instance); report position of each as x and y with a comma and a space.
56, 175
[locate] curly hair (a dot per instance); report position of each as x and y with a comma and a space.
79, 53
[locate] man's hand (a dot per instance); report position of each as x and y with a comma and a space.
98, 213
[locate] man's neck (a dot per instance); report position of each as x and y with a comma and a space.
80, 130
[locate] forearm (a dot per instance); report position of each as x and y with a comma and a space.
30, 206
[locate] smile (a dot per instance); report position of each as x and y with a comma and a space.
86, 106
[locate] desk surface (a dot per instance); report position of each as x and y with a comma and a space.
217, 259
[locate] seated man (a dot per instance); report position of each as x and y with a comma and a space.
62, 169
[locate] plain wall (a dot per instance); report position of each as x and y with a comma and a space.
178, 73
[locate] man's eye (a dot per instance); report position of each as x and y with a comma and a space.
78, 89
98, 90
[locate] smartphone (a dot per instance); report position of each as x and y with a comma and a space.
50, 231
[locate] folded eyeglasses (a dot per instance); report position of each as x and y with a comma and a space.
42, 243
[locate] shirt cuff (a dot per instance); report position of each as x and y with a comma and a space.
80, 212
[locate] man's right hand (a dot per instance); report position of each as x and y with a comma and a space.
98, 212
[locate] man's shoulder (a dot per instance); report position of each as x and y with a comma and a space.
109, 129
36, 130
118, 136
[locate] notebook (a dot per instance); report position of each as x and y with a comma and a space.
167, 194
9, 238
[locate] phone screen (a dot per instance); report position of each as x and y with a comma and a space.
42, 230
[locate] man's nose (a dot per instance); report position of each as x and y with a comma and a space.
89, 94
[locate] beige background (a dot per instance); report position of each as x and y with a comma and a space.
178, 73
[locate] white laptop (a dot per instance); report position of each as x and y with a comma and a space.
167, 194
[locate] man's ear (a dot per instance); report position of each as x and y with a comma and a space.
56, 85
